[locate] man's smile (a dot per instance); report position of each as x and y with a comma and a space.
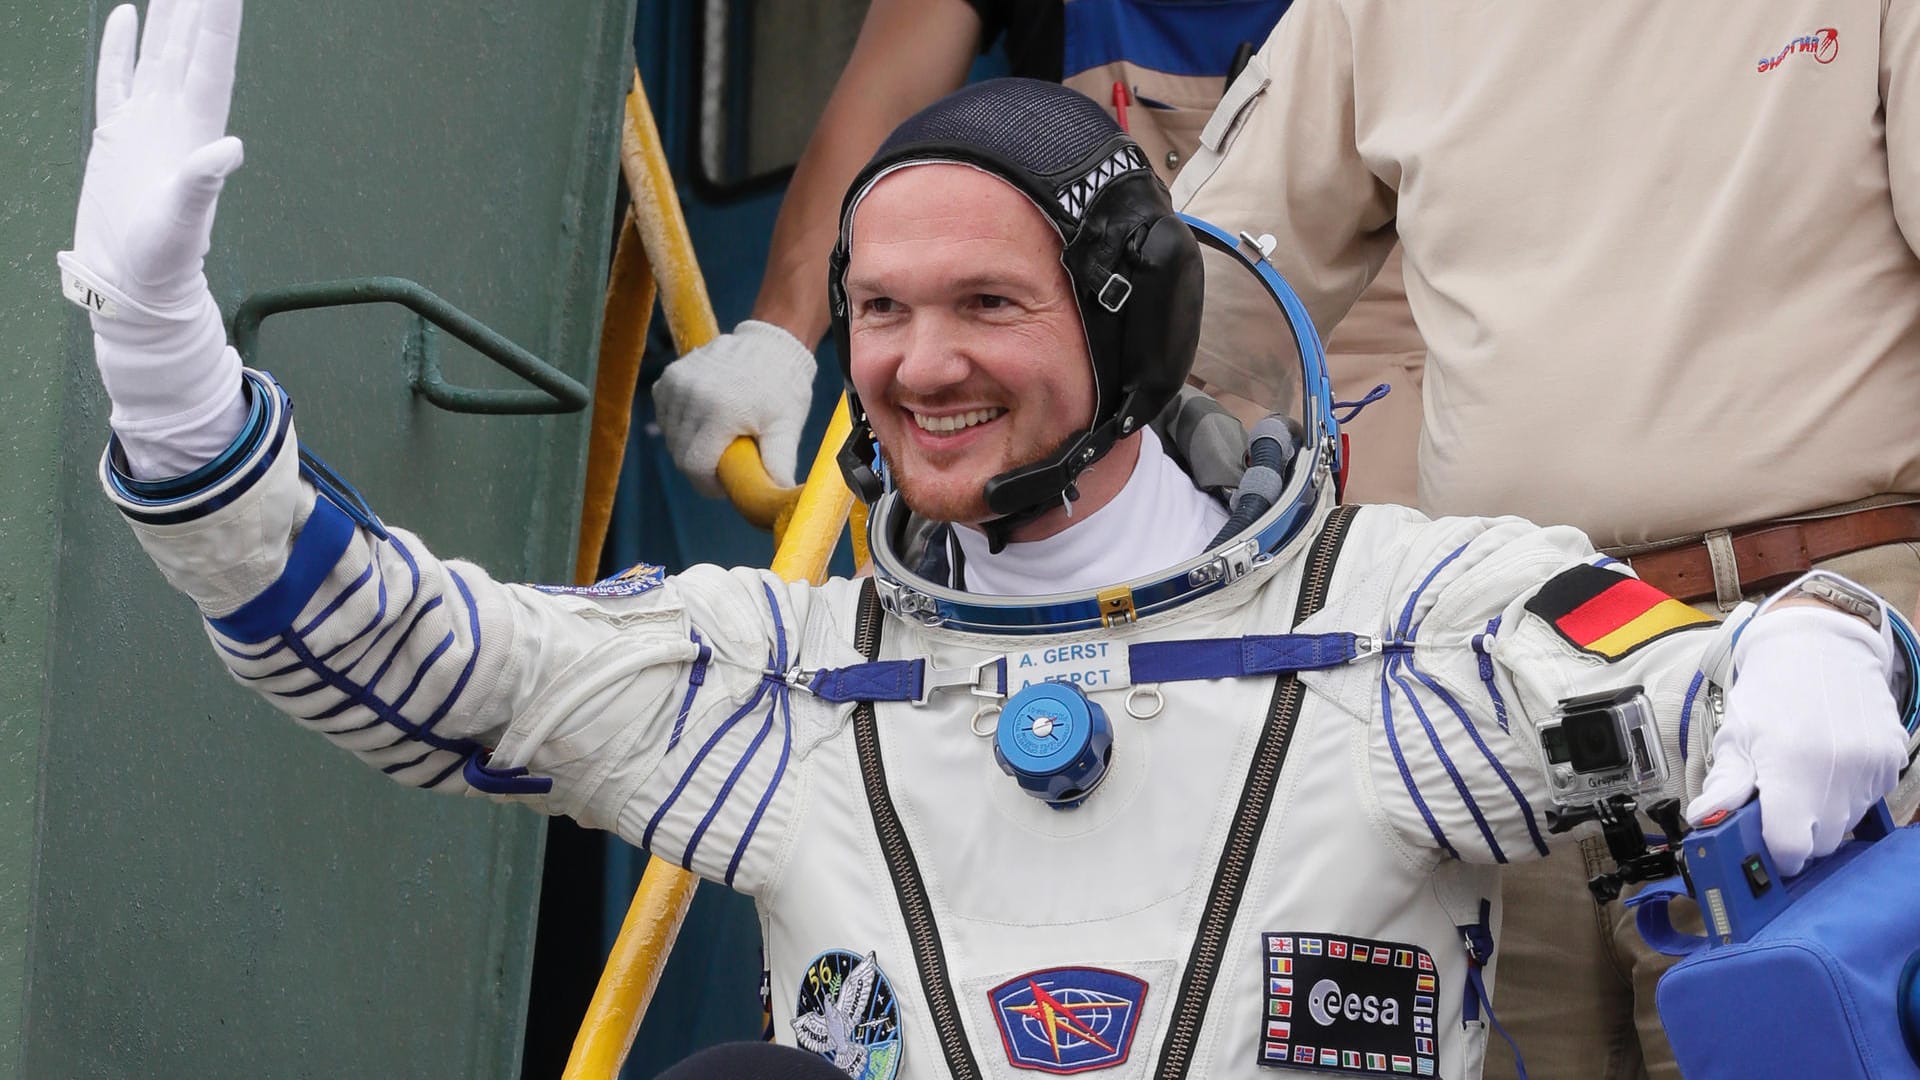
951, 423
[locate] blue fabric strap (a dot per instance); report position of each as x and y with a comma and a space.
516, 781
1227, 658
1479, 943
1150, 661
322, 540
1650, 916
883, 680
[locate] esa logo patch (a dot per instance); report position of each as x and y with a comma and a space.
634, 580
848, 1015
1351, 1005
1068, 1019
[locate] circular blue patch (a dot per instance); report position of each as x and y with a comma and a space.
846, 1013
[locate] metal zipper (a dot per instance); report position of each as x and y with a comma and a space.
1249, 820
911, 889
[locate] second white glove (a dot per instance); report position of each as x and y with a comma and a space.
1810, 725
756, 381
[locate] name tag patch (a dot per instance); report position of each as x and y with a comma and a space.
847, 1014
1350, 1005
1068, 1020
634, 580
1089, 665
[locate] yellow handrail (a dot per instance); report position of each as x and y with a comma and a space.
623, 343
683, 296
806, 523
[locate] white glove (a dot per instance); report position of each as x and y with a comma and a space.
159, 158
1812, 725
755, 381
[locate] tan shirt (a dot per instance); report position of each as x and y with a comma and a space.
1665, 270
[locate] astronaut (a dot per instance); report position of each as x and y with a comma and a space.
1101, 775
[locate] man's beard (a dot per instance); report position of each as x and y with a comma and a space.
937, 502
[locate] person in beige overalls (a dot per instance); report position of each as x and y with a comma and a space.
1664, 263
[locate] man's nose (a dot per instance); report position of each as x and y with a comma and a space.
932, 359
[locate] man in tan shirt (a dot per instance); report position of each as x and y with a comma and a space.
1663, 259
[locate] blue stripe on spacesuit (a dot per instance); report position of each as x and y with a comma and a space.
1446, 760
318, 548
1399, 759
379, 615
733, 777
1402, 632
1604, 561
696, 678
460, 765
783, 701
420, 672
391, 769
473, 655
1526, 808
1686, 712
345, 594
392, 655
686, 777
364, 696
1486, 671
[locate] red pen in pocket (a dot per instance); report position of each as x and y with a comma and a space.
1120, 103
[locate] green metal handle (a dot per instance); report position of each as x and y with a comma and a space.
557, 393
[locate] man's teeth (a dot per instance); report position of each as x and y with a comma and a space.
945, 424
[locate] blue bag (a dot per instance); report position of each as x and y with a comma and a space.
1813, 976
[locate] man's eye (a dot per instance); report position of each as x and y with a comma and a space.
878, 305
991, 301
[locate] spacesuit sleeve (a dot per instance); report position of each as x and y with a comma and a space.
1493, 624
641, 704
1900, 101
1279, 156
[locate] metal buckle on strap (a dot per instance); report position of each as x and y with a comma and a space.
981, 680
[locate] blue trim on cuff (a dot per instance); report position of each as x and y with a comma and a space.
321, 543
175, 488
171, 501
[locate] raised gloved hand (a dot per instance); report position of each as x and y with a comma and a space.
1811, 725
159, 158
755, 381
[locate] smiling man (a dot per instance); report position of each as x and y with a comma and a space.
971, 360
1258, 840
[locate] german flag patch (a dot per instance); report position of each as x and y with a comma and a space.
1610, 615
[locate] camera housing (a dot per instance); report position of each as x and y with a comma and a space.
1598, 746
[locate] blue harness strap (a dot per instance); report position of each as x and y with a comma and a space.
1150, 661
1478, 938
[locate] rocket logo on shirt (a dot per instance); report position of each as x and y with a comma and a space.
1824, 44
1609, 615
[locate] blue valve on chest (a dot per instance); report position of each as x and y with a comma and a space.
1055, 743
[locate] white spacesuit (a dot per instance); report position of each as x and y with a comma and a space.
1318, 737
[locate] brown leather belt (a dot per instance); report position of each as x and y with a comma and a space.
1770, 555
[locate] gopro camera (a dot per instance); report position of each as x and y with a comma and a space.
1603, 745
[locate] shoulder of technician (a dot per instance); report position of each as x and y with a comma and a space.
1485, 625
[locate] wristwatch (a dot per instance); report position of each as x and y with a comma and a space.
1838, 592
